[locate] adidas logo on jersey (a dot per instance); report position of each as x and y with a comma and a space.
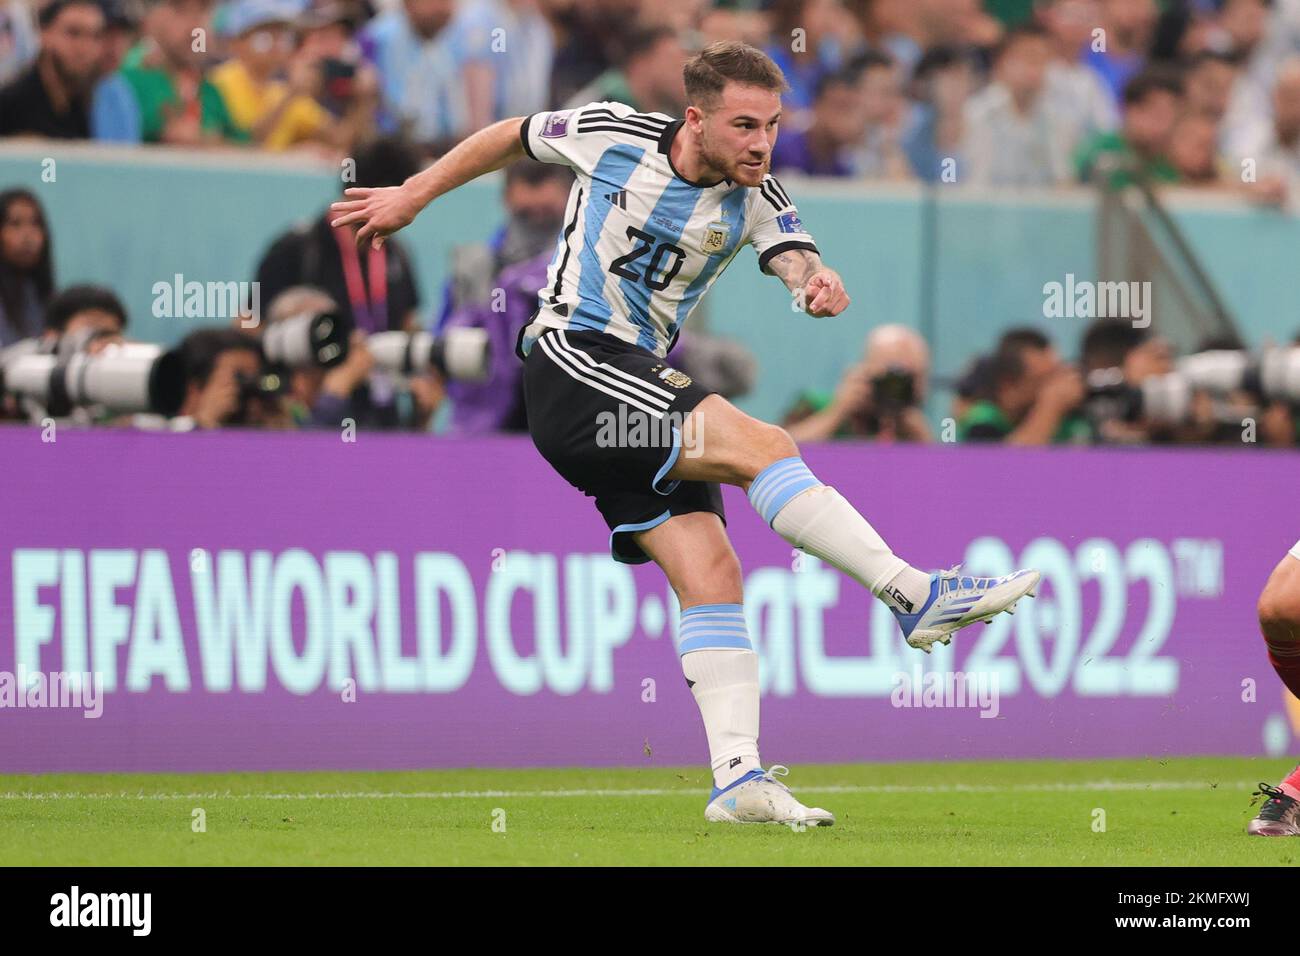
618, 198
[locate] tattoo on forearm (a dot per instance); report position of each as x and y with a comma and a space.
795, 267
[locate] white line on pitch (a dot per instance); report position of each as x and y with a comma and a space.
1080, 787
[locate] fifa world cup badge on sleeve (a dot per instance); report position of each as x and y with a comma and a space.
715, 237
789, 222
557, 124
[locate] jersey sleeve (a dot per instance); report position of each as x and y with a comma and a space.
578, 137
776, 224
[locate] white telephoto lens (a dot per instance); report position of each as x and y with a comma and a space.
466, 354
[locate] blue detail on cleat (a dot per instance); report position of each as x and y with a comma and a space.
735, 783
908, 621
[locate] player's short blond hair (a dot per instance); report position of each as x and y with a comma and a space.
729, 61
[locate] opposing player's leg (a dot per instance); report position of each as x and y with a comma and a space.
721, 669
733, 448
1279, 622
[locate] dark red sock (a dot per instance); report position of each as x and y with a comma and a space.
1285, 659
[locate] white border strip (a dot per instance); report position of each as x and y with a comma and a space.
1087, 786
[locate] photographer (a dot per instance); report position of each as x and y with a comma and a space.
332, 372
1030, 396
879, 397
222, 367
1117, 359
321, 397
81, 318
375, 288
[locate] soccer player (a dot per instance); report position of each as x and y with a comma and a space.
659, 207
1279, 622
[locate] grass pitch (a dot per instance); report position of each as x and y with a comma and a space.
1188, 811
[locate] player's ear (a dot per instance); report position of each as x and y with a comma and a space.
694, 117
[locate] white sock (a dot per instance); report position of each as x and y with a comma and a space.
817, 519
722, 672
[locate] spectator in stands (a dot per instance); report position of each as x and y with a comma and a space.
1208, 83
408, 35
375, 288
219, 364
1077, 97
1193, 151
733, 23
1274, 154
593, 33
26, 266
328, 38
274, 113
803, 46
944, 79
19, 42
1012, 134
52, 98
1121, 49
879, 154
880, 397
1031, 397
535, 197
649, 79
161, 94
1262, 43
504, 51
1153, 102
838, 124
121, 33
888, 28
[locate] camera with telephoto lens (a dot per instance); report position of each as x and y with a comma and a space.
1166, 399
122, 377
459, 354
307, 340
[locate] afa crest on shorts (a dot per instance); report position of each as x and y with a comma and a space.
715, 237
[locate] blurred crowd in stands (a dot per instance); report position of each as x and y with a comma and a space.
1011, 94
1201, 92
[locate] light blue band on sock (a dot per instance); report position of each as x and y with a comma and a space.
777, 484
713, 625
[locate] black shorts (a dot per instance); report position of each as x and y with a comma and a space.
607, 415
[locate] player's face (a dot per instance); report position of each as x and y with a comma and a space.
738, 132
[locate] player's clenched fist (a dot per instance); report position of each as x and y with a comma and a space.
824, 293
379, 212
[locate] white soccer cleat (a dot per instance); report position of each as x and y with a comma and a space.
957, 600
758, 797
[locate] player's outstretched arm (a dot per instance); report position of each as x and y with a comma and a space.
821, 288
381, 212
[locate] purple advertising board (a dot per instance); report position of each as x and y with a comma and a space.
294, 601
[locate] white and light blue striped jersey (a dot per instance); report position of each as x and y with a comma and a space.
640, 243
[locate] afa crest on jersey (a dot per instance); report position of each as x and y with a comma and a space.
715, 237
675, 378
